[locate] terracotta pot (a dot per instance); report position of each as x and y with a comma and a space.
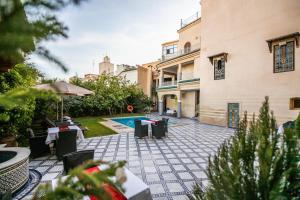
10, 141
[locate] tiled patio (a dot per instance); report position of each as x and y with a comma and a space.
169, 166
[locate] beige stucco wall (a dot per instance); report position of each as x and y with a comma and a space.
241, 28
144, 79
188, 104
190, 33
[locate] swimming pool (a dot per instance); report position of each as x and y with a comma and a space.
128, 121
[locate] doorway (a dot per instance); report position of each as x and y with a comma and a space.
233, 115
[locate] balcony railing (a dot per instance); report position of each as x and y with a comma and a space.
188, 76
168, 84
181, 52
186, 21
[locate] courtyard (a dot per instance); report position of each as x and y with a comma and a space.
169, 166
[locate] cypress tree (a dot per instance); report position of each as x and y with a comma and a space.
255, 163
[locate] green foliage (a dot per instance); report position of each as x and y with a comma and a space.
87, 184
112, 95
25, 25
20, 76
256, 163
17, 99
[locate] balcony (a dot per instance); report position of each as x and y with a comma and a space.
188, 77
168, 85
181, 52
186, 21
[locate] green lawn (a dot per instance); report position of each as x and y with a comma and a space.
95, 128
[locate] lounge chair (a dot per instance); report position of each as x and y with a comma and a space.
171, 113
140, 130
37, 145
66, 143
72, 160
158, 129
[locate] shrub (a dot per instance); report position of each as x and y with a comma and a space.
256, 163
112, 95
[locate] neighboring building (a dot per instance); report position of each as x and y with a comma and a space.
151, 82
178, 87
106, 66
124, 69
87, 77
135, 75
90, 77
249, 50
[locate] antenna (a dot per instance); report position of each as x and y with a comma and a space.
93, 65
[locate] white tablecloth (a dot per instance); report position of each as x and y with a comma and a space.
135, 188
53, 133
149, 122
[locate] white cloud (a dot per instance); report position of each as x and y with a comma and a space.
130, 38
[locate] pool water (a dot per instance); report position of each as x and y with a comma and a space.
129, 121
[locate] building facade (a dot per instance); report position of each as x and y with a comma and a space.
249, 50
227, 61
178, 86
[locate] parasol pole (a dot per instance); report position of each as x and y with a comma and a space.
56, 110
62, 108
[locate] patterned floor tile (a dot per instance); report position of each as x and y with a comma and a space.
157, 189
170, 166
175, 187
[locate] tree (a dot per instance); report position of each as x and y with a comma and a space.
17, 99
112, 94
257, 163
24, 25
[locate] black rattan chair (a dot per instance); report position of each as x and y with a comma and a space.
66, 143
72, 160
6, 196
140, 130
158, 129
37, 145
166, 120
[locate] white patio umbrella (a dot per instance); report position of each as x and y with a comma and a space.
64, 89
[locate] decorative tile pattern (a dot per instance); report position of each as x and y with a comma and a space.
169, 166
34, 179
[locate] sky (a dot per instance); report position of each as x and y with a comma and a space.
128, 31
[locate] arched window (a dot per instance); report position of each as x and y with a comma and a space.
187, 47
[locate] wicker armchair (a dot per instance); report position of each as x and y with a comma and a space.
72, 160
140, 130
37, 145
66, 143
158, 129
166, 120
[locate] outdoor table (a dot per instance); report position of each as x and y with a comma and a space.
135, 188
149, 122
53, 133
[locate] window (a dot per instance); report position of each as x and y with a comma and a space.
219, 68
295, 103
171, 49
284, 57
187, 47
